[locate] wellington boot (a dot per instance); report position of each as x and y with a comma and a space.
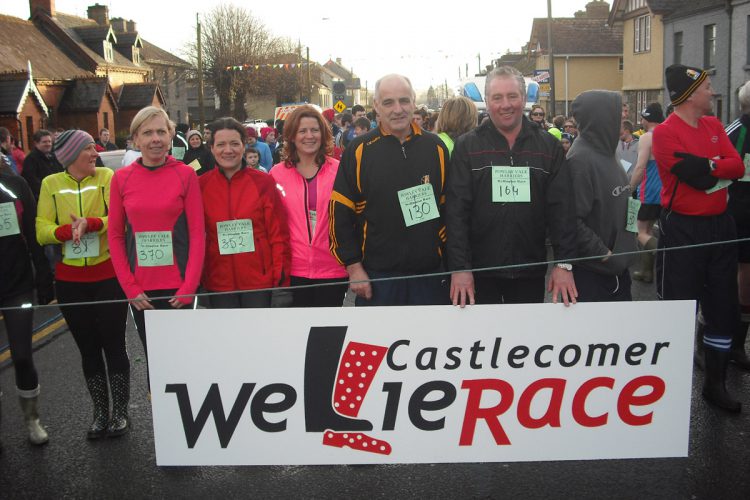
699, 351
738, 355
119, 424
97, 386
28, 399
714, 388
646, 271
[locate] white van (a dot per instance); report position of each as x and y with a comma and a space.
473, 88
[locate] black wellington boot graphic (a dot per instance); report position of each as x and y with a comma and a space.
324, 345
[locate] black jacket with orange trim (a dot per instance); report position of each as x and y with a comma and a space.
367, 223
483, 233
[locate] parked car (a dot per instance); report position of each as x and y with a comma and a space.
112, 159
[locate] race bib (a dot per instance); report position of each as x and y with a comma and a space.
511, 185
8, 219
632, 221
195, 165
723, 183
154, 248
235, 236
313, 219
746, 160
88, 247
418, 204
179, 153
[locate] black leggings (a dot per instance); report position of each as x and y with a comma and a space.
163, 303
99, 327
18, 323
319, 296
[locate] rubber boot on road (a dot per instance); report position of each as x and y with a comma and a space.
699, 351
28, 399
119, 384
714, 387
738, 356
646, 272
98, 390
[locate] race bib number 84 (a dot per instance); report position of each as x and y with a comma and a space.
418, 204
154, 248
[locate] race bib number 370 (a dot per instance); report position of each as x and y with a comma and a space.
511, 185
235, 236
154, 248
418, 204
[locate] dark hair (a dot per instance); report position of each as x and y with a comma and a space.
182, 127
226, 123
346, 118
627, 125
291, 126
362, 122
421, 112
4, 134
251, 149
357, 108
39, 134
558, 121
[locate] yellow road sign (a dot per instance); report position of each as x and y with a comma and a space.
339, 106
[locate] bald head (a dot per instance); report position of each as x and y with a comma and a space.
393, 78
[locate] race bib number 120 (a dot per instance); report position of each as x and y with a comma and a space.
8, 219
235, 236
154, 248
511, 185
418, 204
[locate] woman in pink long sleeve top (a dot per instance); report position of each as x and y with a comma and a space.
305, 181
156, 229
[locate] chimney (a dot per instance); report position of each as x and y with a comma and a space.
119, 25
99, 13
131, 26
46, 6
598, 9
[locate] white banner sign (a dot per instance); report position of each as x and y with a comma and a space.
421, 384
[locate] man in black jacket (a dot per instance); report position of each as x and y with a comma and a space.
507, 187
40, 162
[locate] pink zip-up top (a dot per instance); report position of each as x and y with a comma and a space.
311, 255
167, 198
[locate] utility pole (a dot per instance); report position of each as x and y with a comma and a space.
551, 57
309, 80
201, 112
299, 69
466, 73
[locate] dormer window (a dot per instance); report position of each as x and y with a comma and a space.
108, 52
136, 55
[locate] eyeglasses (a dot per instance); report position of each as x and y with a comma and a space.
536, 113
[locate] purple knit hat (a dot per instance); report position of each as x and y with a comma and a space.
69, 145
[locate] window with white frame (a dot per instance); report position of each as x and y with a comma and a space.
108, 55
635, 5
641, 101
709, 46
678, 44
642, 34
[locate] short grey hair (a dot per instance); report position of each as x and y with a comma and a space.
504, 72
744, 97
376, 93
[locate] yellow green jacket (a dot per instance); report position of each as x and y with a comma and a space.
61, 195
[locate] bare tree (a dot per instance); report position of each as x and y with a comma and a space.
232, 36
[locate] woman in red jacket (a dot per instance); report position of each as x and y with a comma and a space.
305, 180
247, 240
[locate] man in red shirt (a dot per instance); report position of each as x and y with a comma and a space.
696, 161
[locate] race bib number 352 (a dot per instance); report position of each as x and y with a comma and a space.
418, 204
511, 185
154, 248
8, 219
235, 236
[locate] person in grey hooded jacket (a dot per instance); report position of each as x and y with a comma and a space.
605, 212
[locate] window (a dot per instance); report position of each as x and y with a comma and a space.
635, 5
718, 108
678, 47
709, 46
641, 101
29, 132
108, 55
642, 34
136, 55
106, 120
620, 64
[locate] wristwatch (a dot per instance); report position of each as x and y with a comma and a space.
563, 265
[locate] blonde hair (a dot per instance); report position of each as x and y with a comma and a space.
145, 115
458, 116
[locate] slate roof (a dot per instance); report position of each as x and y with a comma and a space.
579, 36
22, 41
85, 95
680, 8
351, 81
137, 95
521, 62
153, 54
11, 92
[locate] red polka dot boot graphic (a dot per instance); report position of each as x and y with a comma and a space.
335, 388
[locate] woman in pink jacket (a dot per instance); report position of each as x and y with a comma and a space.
305, 180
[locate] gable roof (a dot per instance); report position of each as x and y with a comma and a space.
13, 95
23, 41
152, 54
577, 36
351, 81
666, 8
86, 95
139, 95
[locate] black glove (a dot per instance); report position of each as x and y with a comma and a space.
701, 183
690, 167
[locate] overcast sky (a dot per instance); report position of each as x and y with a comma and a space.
426, 41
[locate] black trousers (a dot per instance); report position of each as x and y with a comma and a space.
246, 300
707, 274
329, 295
422, 291
19, 324
495, 290
97, 328
597, 287
139, 318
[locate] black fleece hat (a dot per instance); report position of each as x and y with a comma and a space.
653, 113
682, 82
